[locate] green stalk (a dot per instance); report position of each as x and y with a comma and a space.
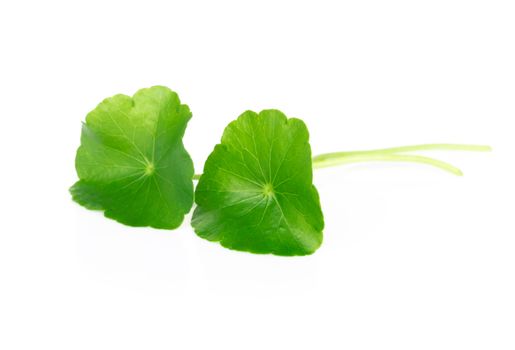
349, 159
404, 149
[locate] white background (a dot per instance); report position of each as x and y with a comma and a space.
413, 258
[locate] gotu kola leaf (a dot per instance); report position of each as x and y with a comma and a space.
256, 193
132, 163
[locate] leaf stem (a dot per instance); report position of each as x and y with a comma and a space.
392, 155
404, 149
348, 159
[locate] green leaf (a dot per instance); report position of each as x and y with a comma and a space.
131, 161
256, 193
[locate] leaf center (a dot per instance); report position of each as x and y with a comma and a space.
150, 168
268, 190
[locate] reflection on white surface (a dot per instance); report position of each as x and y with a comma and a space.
139, 258
176, 261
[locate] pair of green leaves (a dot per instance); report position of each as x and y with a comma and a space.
255, 194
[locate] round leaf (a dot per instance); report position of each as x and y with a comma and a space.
256, 193
131, 161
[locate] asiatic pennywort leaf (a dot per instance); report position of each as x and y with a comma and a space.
132, 163
256, 192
